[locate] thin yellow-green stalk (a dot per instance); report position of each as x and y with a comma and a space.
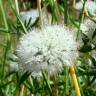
58, 15
40, 12
17, 7
22, 91
74, 80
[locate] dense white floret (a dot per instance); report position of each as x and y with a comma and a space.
49, 48
88, 27
90, 6
26, 15
34, 14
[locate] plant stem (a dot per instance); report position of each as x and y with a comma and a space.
4, 16
31, 84
58, 15
17, 15
65, 11
17, 7
67, 81
55, 87
40, 12
74, 2
79, 82
91, 18
24, 5
47, 14
81, 18
22, 91
74, 79
46, 79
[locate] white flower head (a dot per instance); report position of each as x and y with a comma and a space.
26, 15
88, 27
34, 14
49, 48
79, 5
90, 6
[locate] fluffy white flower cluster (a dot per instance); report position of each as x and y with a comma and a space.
47, 49
90, 6
88, 27
26, 15
34, 14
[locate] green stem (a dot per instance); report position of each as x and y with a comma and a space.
5, 21
57, 13
4, 16
46, 79
3, 30
65, 11
81, 18
40, 12
17, 15
55, 87
17, 7
79, 82
67, 81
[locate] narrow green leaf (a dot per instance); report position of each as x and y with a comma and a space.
24, 77
86, 48
47, 82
